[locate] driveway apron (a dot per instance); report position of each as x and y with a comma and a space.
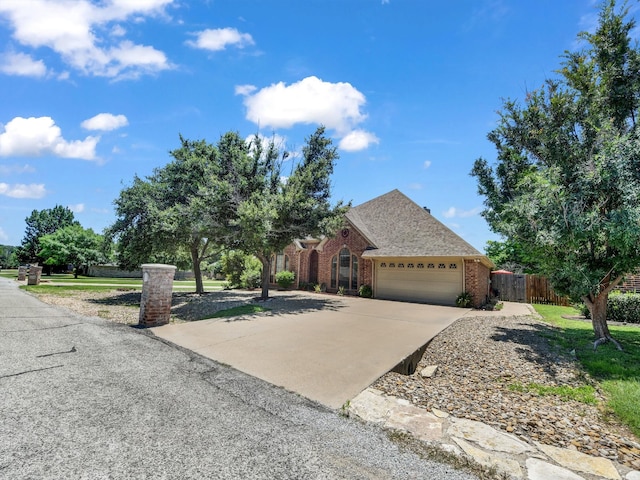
328, 355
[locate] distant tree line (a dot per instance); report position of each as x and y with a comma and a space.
56, 240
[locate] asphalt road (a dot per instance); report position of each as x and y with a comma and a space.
83, 398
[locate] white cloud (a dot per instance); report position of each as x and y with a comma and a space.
22, 65
77, 208
33, 137
245, 89
16, 169
105, 122
357, 140
3, 236
21, 190
415, 186
219, 38
311, 100
454, 212
426, 164
80, 31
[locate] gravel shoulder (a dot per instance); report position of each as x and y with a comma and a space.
481, 362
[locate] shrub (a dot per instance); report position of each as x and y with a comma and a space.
464, 300
365, 291
233, 265
341, 291
251, 277
624, 307
621, 307
285, 279
317, 288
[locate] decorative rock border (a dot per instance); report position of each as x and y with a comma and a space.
484, 444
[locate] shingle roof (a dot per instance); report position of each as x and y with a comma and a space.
396, 226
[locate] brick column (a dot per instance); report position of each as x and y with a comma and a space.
34, 275
157, 286
22, 273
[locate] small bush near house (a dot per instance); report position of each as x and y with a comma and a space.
464, 300
621, 307
365, 291
251, 277
285, 279
317, 288
341, 291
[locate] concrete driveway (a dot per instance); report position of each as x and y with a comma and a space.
328, 355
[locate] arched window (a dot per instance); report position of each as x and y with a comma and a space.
279, 263
344, 270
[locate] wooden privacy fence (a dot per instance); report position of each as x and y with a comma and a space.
525, 289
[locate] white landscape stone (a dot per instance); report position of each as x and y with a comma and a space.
420, 423
633, 475
581, 462
487, 437
540, 470
506, 465
371, 407
429, 371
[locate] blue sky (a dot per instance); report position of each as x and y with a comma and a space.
94, 92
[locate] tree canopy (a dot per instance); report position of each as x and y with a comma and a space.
40, 223
233, 196
268, 212
170, 217
512, 256
72, 245
566, 184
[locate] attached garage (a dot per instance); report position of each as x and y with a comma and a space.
429, 280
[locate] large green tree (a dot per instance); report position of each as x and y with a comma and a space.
267, 210
566, 185
72, 245
8, 256
509, 255
40, 223
171, 215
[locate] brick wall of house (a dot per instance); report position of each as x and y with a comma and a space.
477, 276
631, 284
347, 238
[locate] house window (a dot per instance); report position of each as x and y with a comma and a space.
383, 265
442, 265
344, 270
431, 265
401, 265
421, 265
392, 265
279, 263
410, 265
453, 266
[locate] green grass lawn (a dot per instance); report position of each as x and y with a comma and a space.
617, 373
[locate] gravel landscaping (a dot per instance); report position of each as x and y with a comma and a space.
484, 364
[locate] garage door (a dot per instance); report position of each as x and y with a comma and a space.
437, 281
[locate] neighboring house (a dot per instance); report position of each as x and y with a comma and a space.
395, 246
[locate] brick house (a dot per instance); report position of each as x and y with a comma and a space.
395, 246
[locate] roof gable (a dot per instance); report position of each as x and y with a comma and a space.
398, 227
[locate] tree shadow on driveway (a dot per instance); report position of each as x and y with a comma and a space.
189, 307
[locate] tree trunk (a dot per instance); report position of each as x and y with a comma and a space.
197, 273
598, 309
266, 272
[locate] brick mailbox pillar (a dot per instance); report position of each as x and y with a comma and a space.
34, 275
22, 273
157, 285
